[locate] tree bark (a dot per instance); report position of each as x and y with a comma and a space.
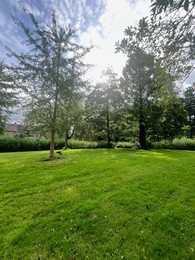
142, 135
108, 123
66, 141
51, 153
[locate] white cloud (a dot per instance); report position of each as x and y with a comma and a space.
117, 16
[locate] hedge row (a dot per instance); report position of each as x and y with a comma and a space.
16, 144
176, 144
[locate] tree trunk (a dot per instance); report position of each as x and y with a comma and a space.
51, 154
191, 127
108, 123
66, 141
142, 136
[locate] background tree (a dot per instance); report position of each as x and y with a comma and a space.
69, 115
166, 114
50, 69
8, 94
138, 77
189, 104
149, 77
102, 104
97, 110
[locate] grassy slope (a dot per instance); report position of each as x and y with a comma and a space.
98, 204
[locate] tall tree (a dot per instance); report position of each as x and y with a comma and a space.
8, 94
138, 78
189, 104
148, 75
50, 69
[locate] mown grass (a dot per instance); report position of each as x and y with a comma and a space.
98, 204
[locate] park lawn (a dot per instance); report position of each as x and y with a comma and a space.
98, 204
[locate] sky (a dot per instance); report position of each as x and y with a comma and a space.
99, 22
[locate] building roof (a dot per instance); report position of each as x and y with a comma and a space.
14, 127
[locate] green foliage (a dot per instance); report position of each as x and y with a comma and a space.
164, 144
176, 144
76, 144
171, 119
189, 104
183, 144
8, 94
104, 108
172, 29
16, 144
124, 145
138, 84
97, 204
149, 86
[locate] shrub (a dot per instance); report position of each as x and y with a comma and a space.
17, 144
183, 144
76, 144
176, 144
124, 145
164, 144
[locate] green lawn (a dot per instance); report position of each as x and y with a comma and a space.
98, 204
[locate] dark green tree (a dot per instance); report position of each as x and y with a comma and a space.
138, 86
171, 118
149, 77
165, 112
189, 104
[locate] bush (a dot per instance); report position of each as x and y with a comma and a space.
183, 144
124, 145
76, 144
176, 144
164, 144
17, 144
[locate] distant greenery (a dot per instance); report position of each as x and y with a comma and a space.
176, 144
98, 204
17, 144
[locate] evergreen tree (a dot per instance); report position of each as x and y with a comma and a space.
8, 94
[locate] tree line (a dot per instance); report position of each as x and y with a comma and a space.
142, 105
